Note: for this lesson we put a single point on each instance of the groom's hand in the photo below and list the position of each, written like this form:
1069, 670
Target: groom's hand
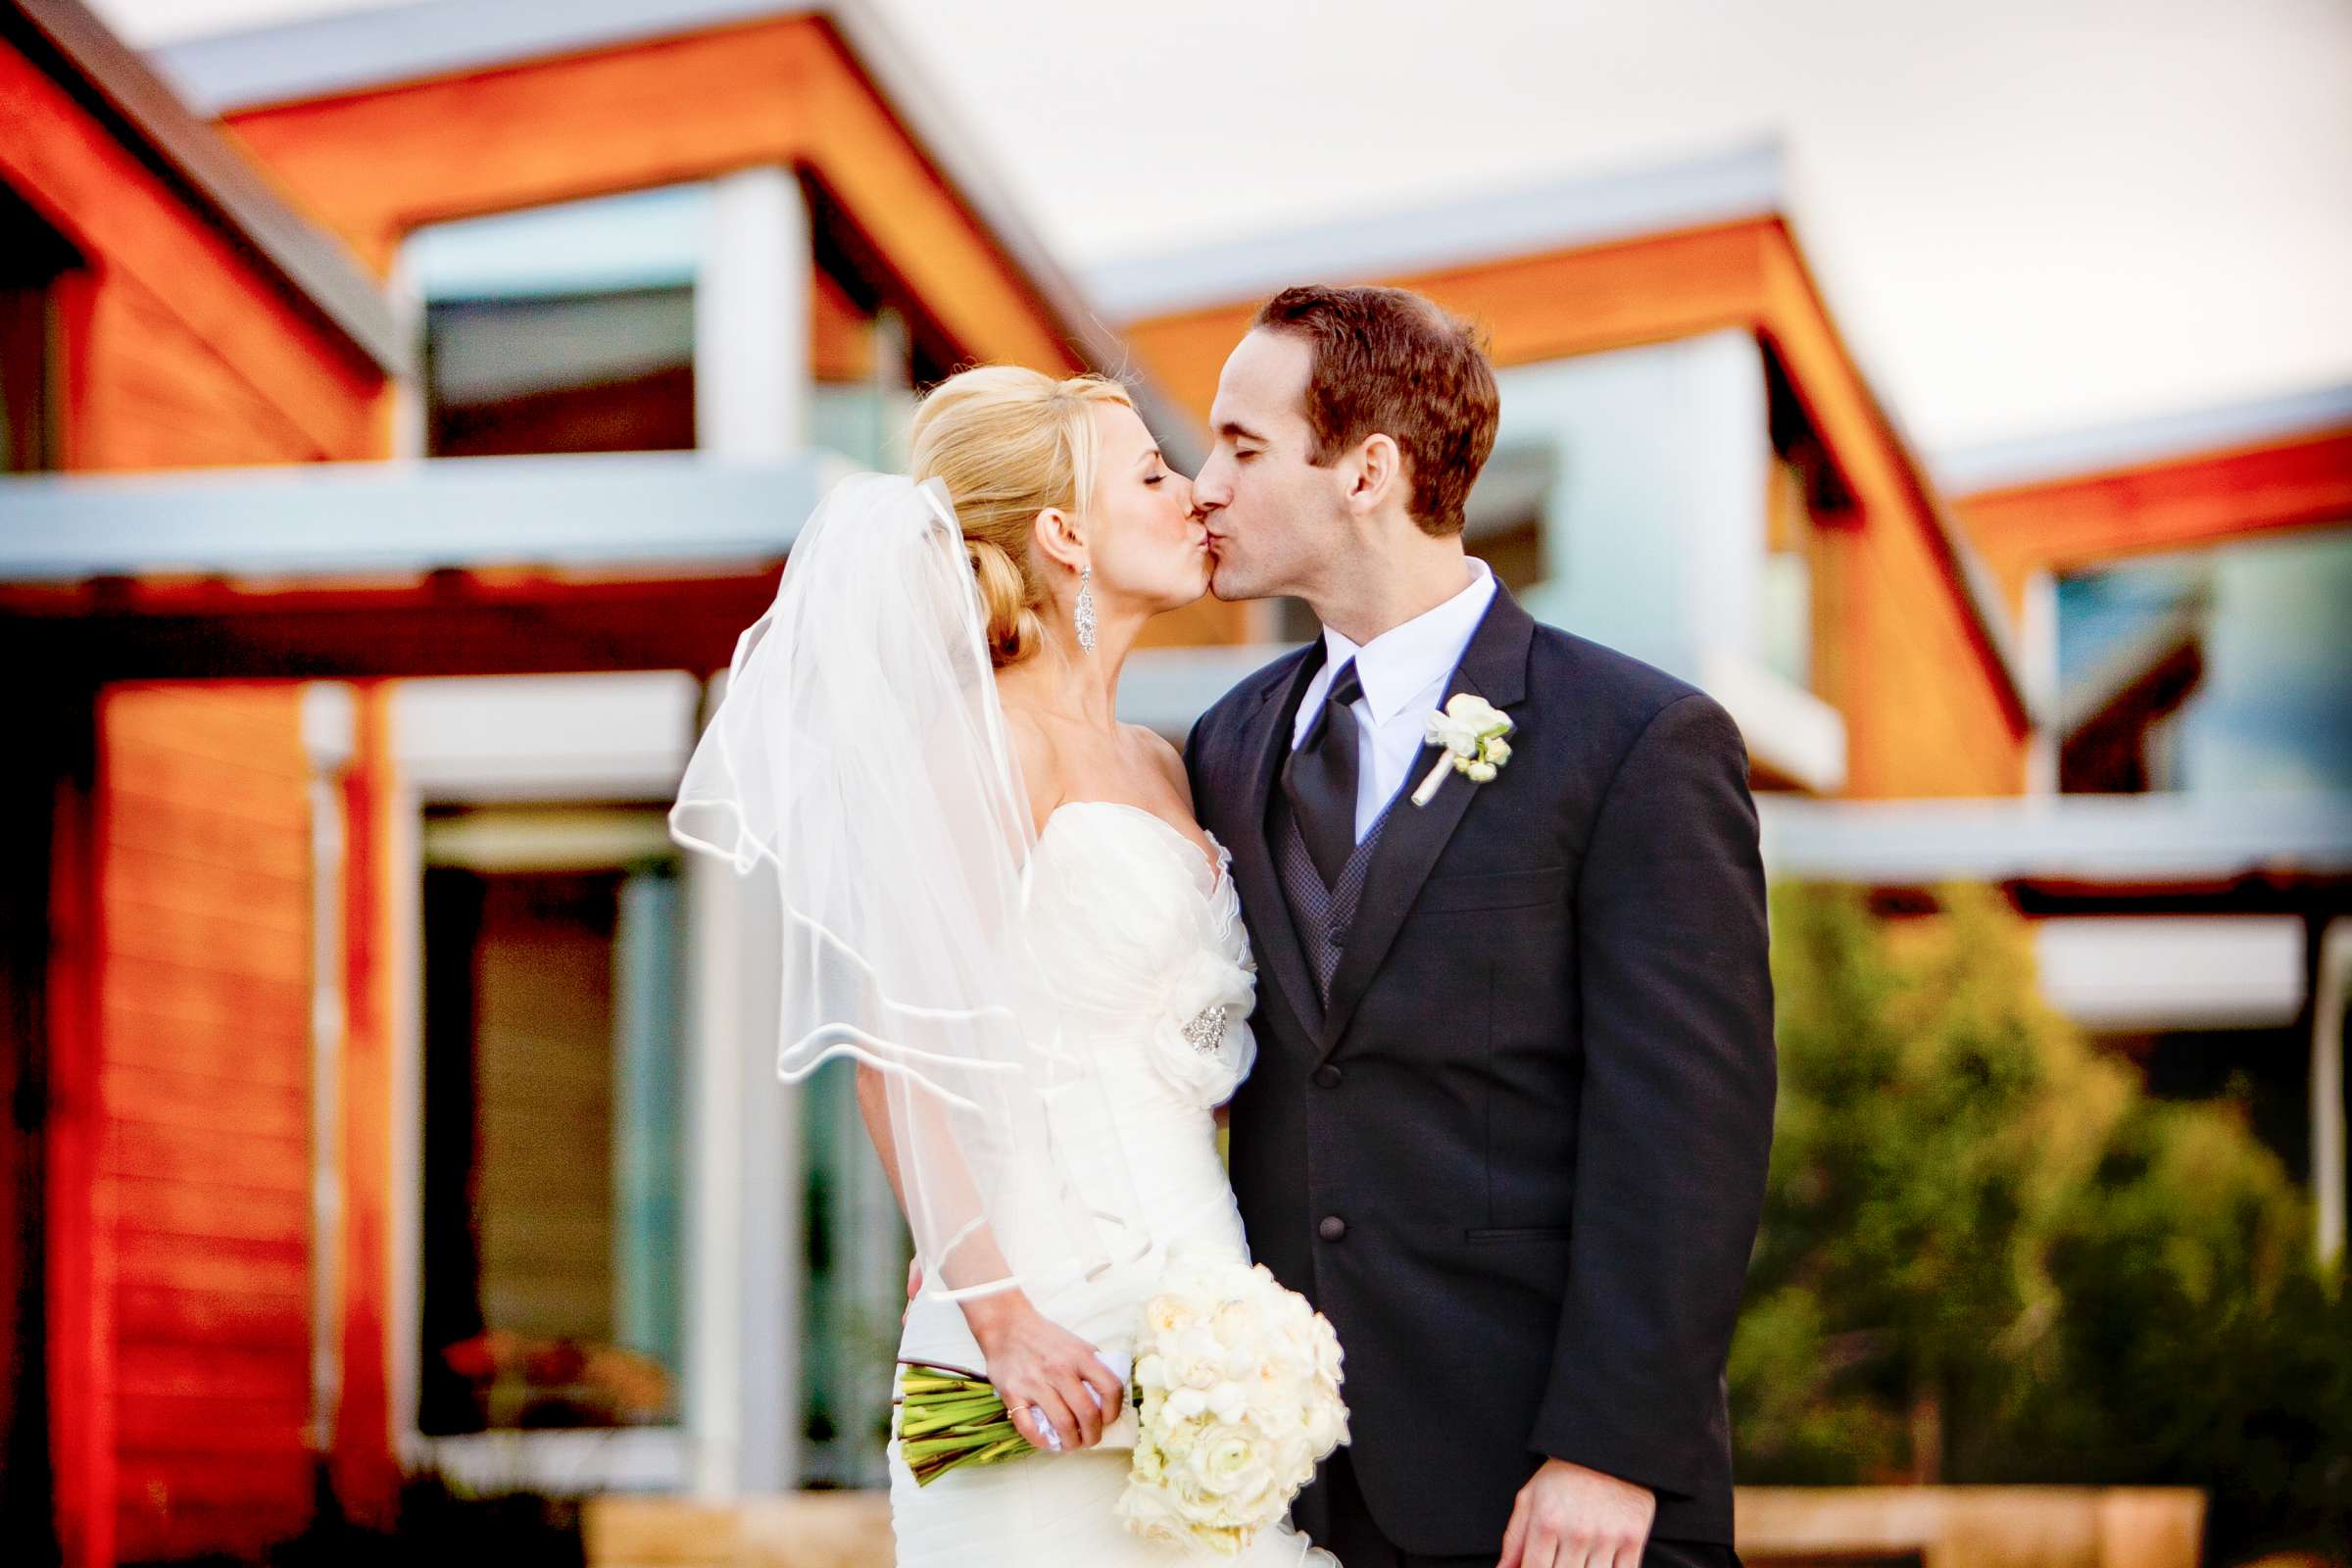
1567, 1516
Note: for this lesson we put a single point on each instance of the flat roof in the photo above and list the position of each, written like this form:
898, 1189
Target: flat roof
1748, 181
2071, 454
353, 51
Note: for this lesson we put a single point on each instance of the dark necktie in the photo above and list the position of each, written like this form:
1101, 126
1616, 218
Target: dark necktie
1320, 778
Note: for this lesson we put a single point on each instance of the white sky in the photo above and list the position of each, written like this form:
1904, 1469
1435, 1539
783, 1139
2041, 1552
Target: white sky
2029, 216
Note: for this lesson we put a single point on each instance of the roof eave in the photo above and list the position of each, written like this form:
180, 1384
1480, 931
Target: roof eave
311, 265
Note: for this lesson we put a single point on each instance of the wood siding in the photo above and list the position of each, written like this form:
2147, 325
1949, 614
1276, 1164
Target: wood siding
202, 1189
179, 351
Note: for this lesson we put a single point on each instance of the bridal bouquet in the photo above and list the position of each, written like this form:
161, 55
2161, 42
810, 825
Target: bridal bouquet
1235, 1396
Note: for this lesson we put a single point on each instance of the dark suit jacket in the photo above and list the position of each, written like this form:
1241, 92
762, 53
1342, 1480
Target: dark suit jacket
1539, 1106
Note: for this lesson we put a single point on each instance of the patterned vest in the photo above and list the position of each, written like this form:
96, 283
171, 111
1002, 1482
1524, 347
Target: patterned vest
1321, 915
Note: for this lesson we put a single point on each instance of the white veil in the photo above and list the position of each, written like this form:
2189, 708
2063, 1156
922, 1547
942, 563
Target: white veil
860, 749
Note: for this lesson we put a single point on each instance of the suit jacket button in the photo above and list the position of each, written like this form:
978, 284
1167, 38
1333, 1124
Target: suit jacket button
1328, 1076
1332, 1228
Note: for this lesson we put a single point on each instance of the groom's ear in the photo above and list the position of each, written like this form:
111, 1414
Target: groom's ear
1374, 474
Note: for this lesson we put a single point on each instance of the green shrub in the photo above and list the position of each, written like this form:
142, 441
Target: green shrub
1987, 1256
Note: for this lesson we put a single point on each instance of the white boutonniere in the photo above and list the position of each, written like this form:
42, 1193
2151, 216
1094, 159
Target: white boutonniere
1472, 731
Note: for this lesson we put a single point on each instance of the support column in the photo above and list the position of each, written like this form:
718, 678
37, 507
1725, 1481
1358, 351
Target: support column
744, 1244
750, 317
329, 738
2331, 994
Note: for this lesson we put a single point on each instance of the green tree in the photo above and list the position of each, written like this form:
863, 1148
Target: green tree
1987, 1256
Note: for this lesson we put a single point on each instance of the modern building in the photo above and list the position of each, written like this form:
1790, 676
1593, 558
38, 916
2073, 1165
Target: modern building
413, 407
2105, 671
403, 411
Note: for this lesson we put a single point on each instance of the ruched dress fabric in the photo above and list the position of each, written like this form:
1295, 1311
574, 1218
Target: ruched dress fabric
1137, 940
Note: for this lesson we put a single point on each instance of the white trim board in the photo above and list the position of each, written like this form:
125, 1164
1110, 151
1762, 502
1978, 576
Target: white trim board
2134, 839
2142, 971
565, 737
1744, 181
589, 737
2069, 454
583, 510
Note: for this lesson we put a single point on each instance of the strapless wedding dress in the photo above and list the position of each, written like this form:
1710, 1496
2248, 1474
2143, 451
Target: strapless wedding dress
1147, 970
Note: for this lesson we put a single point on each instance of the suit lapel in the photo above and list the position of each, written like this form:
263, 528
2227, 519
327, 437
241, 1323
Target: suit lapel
1265, 743
1495, 667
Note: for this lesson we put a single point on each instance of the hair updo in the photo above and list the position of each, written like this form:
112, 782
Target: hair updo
1009, 443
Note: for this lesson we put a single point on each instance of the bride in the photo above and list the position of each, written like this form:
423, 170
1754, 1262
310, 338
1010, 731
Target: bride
998, 902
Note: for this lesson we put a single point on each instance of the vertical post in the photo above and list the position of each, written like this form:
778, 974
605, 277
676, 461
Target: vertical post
752, 396
330, 731
410, 397
744, 1238
2330, 997
750, 317
2037, 649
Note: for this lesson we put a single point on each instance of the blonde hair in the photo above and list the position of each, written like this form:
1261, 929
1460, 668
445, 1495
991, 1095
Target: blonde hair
1009, 443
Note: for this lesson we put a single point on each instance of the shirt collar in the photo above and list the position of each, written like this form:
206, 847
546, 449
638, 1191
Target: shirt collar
1403, 661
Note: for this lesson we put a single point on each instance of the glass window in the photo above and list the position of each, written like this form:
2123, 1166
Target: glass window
564, 328
553, 1104
2216, 670
571, 329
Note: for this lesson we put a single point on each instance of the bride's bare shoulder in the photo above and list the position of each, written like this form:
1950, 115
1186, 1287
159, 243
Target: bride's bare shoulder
1163, 755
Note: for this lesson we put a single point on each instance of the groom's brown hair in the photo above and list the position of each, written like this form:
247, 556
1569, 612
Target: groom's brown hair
1388, 362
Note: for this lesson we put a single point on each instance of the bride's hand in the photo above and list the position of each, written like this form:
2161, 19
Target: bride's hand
1035, 1362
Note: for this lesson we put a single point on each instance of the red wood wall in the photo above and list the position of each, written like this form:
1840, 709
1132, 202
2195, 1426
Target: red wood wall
181, 350
195, 1353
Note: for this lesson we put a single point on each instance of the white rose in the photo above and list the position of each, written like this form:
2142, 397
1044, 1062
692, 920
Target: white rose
1229, 1462
1147, 1511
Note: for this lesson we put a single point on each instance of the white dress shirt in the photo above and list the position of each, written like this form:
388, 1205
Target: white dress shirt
1403, 670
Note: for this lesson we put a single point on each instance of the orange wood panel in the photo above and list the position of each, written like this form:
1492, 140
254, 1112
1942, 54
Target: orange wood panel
898, 199
231, 1426
1929, 709
210, 1041
153, 395
270, 1168
841, 336
207, 313
1548, 305
2304, 481
365, 1466
1920, 722
1206, 623
375, 165
206, 1170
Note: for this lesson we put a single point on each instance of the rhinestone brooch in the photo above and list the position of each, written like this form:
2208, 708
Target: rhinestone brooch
1207, 1032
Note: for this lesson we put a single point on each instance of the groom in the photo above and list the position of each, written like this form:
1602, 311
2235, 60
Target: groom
1509, 1122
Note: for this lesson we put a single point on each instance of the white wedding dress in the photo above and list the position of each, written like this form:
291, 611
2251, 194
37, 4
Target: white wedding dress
1143, 964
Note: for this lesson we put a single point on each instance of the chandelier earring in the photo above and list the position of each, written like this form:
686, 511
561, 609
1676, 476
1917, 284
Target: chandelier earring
1083, 613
